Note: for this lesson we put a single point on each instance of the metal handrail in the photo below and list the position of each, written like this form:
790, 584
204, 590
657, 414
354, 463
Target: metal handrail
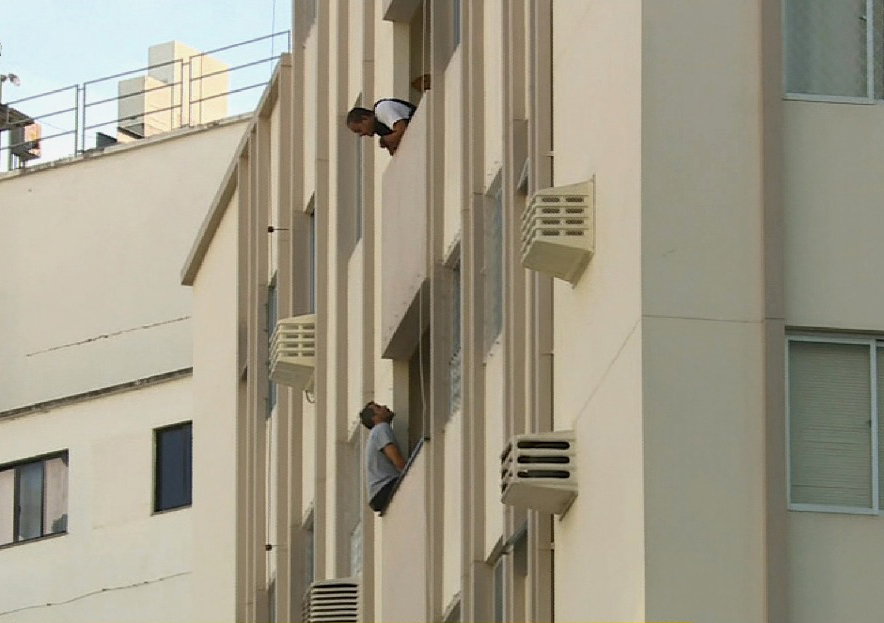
183, 89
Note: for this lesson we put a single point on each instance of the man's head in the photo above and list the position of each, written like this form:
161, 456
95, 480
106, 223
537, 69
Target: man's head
361, 121
373, 413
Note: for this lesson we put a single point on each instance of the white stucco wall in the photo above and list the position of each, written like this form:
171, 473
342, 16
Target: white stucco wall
91, 252
118, 560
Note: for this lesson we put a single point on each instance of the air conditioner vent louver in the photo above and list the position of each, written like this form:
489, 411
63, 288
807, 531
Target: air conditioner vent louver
558, 230
539, 471
293, 351
332, 600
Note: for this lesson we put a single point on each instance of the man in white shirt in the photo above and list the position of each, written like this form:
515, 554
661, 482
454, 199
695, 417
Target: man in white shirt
383, 460
388, 119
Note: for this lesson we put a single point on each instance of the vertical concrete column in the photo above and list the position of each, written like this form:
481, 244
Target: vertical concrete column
243, 448
323, 256
540, 148
440, 307
369, 356
282, 548
476, 591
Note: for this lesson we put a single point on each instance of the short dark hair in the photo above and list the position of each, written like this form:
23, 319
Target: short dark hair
366, 416
358, 114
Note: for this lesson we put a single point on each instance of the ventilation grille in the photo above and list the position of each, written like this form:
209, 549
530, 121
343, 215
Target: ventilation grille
539, 471
557, 231
293, 351
332, 600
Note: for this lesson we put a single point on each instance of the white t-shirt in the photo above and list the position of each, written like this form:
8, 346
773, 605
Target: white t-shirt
389, 112
379, 467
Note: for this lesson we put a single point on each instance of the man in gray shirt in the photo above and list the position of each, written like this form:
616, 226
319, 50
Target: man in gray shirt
383, 460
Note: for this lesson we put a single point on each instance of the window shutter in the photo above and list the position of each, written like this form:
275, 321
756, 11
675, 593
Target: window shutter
830, 424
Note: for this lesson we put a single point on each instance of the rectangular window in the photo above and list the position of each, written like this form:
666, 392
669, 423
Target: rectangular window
494, 269
455, 366
309, 549
34, 499
834, 394
174, 467
834, 49
272, 319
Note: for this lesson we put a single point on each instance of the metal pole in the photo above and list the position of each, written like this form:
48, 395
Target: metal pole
76, 119
83, 126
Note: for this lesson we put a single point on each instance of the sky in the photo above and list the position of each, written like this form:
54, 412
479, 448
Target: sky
52, 44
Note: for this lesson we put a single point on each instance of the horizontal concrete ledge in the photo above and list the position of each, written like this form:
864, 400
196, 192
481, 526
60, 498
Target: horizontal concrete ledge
49, 405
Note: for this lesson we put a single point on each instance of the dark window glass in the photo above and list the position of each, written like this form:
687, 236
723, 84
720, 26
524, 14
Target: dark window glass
30, 501
174, 467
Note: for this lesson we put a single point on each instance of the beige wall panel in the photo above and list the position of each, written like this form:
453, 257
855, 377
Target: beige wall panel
494, 443
277, 238
493, 73
701, 178
835, 566
404, 560
215, 385
453, 190
833, 188
453, 492
355, 285
129, 546
600, 541
355, 13
403, 225
127, 218
704, 470
310, 116
596, 317
308, 472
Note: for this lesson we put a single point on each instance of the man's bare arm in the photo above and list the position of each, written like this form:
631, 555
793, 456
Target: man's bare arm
391, 141
392, 452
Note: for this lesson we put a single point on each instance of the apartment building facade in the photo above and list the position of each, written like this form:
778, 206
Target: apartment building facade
705, 345
110, 505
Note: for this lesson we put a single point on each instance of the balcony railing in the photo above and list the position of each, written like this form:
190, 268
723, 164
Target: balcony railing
184, 92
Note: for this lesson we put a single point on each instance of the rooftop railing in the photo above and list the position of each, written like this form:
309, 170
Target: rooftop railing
122, 107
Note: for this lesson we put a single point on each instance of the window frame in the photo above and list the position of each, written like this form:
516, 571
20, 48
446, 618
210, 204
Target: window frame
15, 466
156, 510
272, 308
873, 344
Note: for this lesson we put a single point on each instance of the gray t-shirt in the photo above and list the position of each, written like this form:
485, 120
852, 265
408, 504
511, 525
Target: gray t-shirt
379, 468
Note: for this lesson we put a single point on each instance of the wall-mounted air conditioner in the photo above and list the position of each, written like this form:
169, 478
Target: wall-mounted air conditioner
293, 351
539, 471
332, 600
558, 230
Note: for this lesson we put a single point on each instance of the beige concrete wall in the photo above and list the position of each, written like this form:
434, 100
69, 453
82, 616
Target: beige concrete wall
598, 354
453, 486
703, 312
403, 545
833, 190
91, 252
493, 74
494, 418
215, 405
355, 297
117, 560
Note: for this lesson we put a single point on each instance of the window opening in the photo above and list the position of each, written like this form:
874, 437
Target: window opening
34, 499
174, 467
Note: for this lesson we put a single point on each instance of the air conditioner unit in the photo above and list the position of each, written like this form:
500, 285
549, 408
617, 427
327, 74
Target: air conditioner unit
539, 471
24, 141
558, 230
332, 600
293, 351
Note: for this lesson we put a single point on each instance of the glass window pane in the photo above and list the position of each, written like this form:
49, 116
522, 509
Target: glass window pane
830, 424
7, 506
826, 46
174, 468
30, 501
55, 496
